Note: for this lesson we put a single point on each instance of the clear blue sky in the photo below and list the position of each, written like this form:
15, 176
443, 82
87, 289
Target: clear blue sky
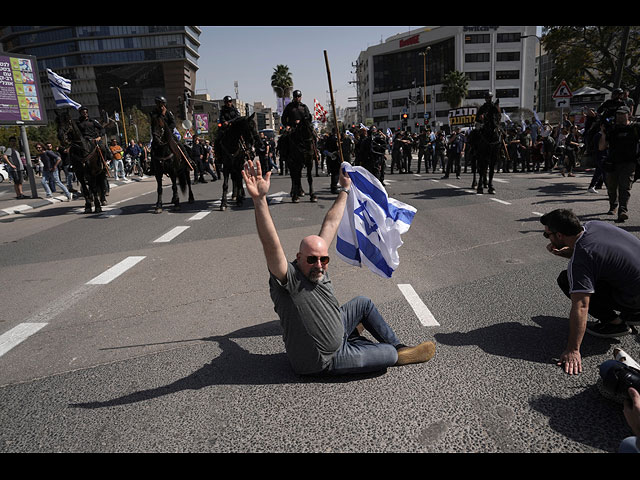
249, 54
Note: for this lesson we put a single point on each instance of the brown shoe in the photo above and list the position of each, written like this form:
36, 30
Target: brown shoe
418, 354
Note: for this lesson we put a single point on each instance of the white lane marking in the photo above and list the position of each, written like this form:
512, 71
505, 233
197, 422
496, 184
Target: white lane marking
499, 180
17, 335
538, 213
452, 186
115, 271
200, 215
170, 235
17, 209
500, 201
420, 309
277, 197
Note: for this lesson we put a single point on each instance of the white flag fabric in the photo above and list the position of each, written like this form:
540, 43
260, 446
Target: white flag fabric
61, 88
372, 224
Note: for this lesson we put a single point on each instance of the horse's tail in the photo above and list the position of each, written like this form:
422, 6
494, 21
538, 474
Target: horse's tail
182, 180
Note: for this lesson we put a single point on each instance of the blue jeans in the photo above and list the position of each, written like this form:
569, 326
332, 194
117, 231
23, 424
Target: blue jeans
358, 354
55, 176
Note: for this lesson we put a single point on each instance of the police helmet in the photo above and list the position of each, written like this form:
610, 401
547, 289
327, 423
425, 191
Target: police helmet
161, 100
617, 91
227, 99
297, 94
489, 94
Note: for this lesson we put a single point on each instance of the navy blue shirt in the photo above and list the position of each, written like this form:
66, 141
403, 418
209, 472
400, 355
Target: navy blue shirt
606, 253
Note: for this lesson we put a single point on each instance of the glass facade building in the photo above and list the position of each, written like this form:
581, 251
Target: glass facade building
152, 60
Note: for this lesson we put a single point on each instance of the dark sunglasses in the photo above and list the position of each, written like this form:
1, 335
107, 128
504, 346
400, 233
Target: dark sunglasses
312, 259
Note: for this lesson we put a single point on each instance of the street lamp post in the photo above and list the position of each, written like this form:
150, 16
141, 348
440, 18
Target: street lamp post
539, 58
424, 65
124, 126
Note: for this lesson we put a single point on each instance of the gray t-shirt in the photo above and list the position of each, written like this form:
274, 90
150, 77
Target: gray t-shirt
310, 317
610, 254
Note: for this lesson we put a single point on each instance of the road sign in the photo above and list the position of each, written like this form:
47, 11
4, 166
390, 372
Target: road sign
563, 91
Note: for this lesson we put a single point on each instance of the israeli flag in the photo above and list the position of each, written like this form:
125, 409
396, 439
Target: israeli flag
370, 230
61, 88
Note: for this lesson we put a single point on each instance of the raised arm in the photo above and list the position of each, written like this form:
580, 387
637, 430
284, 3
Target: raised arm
258, 187
334, 215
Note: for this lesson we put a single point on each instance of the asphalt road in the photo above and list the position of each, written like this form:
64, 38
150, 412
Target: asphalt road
180, 349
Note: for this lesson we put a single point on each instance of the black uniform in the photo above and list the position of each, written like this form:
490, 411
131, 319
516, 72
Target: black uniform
621, 165
293, 112
227, 114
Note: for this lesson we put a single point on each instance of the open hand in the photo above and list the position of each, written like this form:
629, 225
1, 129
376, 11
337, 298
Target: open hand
257, 186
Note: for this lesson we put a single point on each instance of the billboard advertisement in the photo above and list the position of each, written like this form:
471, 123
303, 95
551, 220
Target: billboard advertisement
21, 99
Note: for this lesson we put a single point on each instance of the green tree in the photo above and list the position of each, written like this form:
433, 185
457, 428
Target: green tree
455, 88
594, 56
282, 81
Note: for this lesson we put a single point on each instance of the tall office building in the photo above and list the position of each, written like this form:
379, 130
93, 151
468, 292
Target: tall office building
405, 74
152, 60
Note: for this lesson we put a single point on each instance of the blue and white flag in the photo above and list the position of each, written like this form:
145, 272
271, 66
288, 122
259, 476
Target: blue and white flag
370, 229
535, 114
61, 88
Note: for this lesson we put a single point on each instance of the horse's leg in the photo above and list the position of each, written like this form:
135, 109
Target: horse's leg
296, 179
481, 172
191, 199
492, 166
312, 195
174, 188
158, 173
84, 188
225, 187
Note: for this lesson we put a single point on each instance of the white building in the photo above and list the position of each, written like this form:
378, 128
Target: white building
392, 77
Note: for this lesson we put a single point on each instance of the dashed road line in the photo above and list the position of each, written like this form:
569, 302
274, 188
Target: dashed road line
17, 335
423, 313
200, 215
501, 201
115, 271
170, 235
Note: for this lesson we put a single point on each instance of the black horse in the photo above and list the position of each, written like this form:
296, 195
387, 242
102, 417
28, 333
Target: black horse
167, 158
299, 149
87, 160
233, 148
485, 144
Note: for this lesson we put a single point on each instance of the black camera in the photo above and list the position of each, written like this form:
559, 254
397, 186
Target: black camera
619, 378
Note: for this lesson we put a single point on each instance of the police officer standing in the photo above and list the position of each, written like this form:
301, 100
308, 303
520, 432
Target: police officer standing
622, 140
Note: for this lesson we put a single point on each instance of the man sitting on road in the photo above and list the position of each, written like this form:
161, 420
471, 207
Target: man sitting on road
602, 278
320, 336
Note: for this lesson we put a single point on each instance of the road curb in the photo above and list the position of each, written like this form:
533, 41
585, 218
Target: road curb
43, 202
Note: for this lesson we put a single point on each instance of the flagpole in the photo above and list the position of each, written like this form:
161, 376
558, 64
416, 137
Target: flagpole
333, 106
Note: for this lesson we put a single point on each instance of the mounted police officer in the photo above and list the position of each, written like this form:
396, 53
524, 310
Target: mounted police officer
163, 112
489, 109
295, 112
296, 116
228, 112
94, 132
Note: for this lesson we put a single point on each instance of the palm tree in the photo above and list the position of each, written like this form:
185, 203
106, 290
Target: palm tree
455, 88
281, 81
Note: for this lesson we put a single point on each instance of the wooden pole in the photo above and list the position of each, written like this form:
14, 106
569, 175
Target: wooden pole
333, 106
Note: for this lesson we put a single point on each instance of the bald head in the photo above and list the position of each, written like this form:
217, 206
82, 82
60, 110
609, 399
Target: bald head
312, 246
313, 242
